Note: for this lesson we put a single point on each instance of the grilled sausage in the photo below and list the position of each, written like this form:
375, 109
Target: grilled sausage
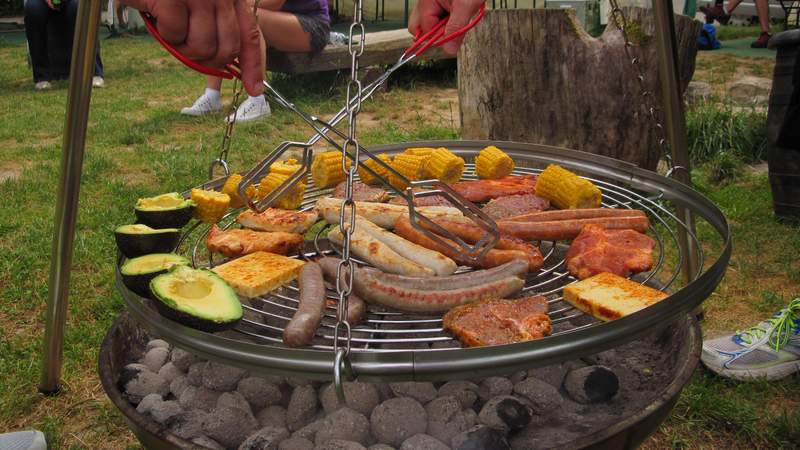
440, 264
382, 214
574, 214
472, 233
300, 330
417, 294
356, 307
569, 229
380, 255
492, 258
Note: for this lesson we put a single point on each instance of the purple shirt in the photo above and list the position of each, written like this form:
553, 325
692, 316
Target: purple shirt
317, 9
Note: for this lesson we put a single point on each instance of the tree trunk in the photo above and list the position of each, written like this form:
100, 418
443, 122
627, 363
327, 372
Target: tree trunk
536, 76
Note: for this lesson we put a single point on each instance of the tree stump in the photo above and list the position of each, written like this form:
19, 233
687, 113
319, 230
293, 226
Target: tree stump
537, 76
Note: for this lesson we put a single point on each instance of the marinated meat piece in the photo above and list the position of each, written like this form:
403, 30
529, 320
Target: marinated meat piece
433, 200
239, 242
484, 190
274, 219
362, 192
515, 205
497, 322
621, 252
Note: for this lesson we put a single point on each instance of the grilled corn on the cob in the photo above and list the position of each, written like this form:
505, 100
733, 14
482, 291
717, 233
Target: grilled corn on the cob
231, 188
419, 151
367, 177
444, 165
326, 169
493, 163
567, 190
410, 166
291, 199
287, 167
211, 205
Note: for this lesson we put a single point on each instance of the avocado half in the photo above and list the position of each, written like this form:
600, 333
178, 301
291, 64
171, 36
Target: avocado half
138, 272
165, 210
198, 298
139, 239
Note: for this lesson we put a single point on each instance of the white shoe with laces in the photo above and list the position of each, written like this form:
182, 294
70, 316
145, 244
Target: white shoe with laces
251, 109
98, 82
204, 104
43, 86
23, 440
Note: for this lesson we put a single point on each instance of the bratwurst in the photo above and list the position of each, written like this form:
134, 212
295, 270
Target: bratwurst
300, 330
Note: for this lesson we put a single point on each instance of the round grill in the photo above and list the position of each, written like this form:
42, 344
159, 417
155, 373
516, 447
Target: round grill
390, 345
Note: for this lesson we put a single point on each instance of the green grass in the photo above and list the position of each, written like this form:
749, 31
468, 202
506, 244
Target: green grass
138, 145
730, 32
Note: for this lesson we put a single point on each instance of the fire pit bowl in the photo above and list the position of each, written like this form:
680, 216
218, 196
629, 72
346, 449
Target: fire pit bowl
125, 343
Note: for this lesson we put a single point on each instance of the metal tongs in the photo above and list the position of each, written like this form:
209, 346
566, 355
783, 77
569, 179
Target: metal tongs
436, 37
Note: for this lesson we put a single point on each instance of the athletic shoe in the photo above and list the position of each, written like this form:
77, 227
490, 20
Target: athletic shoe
716, 12
43, 86
762, 41
251, 109
98, 82
769, 350
202, 106
23, 440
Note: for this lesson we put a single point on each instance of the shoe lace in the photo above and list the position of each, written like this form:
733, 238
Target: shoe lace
781, 327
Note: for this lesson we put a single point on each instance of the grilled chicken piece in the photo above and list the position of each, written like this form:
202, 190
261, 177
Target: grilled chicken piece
515, 205
274, 219
484, 190
497, 322
621, 252
362, 192
240, 242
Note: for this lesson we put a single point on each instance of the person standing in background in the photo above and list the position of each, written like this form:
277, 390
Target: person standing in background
722, 14
61, 13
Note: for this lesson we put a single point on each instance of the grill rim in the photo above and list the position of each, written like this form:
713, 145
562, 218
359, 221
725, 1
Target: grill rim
475, 362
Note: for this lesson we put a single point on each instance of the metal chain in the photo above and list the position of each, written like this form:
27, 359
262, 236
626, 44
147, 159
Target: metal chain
350, 153
618, 16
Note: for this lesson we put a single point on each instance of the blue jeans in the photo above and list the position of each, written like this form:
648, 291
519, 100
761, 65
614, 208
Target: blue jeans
42, 22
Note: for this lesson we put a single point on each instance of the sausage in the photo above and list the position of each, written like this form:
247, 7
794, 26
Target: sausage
382, 214
380, 255
472, 233
418, 294
492, 258
517, 267
356, 307
440, 264
300, 330
569, 229
574, 214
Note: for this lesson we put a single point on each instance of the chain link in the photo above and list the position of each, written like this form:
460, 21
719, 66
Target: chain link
350, 155
621, 22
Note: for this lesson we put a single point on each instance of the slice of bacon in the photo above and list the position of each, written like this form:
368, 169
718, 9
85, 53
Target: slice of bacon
497, 322
621, 252
485, 190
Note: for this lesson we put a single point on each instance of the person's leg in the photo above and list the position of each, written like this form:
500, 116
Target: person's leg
762, 8
720, 13
732, 4
36, 17
283, 31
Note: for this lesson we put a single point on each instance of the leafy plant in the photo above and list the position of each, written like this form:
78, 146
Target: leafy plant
716, 128
723, 167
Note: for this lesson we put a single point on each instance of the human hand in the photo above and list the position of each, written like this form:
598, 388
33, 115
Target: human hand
428, 13
210, 32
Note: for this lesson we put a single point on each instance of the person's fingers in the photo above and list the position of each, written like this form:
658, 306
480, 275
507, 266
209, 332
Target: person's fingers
172, 19
250, 57
227, 35
461, 13
200, 43
426, 14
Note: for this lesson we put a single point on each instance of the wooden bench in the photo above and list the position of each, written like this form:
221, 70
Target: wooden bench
381, 48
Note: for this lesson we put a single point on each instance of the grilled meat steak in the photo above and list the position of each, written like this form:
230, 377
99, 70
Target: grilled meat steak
274, 219
515, 205
497, 322
485, 190
433, 200
621, 252
362, 192
239, 242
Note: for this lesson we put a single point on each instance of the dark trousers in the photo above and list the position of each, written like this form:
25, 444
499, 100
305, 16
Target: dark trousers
42, 22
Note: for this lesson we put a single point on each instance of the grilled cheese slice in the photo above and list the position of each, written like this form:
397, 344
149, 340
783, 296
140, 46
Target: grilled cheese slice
259, 273
607, 296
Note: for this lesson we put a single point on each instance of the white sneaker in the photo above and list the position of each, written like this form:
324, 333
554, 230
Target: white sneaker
43, 86
23, 440
202, 106
98, 82
251, 109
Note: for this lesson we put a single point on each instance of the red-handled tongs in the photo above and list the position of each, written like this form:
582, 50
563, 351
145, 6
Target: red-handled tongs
435, 37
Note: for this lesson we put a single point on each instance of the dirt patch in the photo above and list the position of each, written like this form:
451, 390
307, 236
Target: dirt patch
11, 171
